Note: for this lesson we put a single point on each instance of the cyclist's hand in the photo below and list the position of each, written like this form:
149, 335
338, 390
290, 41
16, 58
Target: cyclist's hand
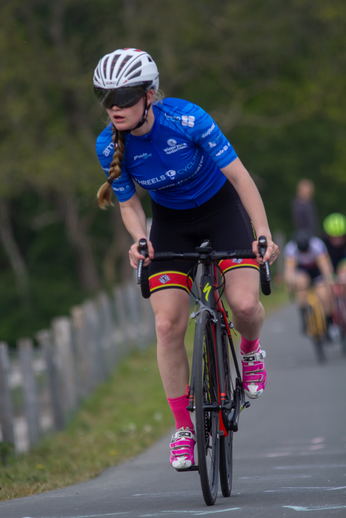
135, 256
271, 254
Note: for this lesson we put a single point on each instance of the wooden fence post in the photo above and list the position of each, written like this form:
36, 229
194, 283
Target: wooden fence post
93, 340
120, 311
147, 321
63, 341
83, 359
44, 339
31, 407
108, 342
6, 410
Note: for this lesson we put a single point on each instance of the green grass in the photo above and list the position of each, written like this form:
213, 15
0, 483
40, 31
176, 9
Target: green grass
123, 417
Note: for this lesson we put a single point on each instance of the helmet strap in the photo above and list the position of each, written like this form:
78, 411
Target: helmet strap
144, 117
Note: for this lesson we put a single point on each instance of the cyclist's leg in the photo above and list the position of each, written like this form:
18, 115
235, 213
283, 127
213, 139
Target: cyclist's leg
324, 293
242, 294
302, 284
171, 308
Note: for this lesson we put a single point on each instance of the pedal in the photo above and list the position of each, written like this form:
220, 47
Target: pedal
192, 468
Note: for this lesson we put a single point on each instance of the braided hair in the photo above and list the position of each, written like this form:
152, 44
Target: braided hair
104, 192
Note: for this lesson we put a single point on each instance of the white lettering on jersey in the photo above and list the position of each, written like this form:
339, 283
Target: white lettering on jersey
209, 131
109, 149
188, 120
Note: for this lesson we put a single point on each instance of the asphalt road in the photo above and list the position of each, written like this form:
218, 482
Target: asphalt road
290, 451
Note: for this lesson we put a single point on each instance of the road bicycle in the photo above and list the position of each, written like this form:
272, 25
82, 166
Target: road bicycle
216, 392
315, 323
339, 312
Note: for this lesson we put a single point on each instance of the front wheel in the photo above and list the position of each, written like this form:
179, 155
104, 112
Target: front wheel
207, 405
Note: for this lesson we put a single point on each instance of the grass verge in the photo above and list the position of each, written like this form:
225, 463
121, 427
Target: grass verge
123, 417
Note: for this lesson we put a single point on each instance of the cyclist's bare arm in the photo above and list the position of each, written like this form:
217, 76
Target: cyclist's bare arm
134, 219
241, 180
325, 266
290, 272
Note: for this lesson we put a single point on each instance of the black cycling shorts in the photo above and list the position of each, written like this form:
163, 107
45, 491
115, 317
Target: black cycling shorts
222, 219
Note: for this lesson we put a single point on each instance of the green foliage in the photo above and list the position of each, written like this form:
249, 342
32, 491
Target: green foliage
270, 73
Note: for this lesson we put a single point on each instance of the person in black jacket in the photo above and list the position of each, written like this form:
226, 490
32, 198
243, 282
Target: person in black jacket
304, 211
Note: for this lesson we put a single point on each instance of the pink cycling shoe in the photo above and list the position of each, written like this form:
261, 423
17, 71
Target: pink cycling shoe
182, 446
254, 372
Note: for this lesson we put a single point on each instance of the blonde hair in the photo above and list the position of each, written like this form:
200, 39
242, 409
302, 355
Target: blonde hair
105, 191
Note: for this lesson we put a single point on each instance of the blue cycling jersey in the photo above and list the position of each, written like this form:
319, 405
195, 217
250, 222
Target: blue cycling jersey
178, 162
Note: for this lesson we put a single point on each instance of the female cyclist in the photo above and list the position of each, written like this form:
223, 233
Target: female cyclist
199, 190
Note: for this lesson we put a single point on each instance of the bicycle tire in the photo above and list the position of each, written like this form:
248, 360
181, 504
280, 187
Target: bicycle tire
341, 321
226, 442
316, 327
207, 420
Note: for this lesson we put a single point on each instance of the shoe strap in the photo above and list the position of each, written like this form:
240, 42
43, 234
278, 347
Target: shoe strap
182, 434
254, 357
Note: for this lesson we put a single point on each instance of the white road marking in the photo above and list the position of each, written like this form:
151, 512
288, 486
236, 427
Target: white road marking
85, 516
296, 508
312, 466
192, 513
300, 488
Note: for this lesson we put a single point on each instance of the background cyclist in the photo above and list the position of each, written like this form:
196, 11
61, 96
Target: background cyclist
334, 238
307, 263
199, 189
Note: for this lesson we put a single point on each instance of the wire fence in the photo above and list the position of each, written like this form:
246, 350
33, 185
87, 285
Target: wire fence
45, 380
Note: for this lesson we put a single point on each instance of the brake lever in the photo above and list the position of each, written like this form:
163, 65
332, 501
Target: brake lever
143, 250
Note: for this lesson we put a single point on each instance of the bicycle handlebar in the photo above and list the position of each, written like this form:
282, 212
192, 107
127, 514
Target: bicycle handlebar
201, 253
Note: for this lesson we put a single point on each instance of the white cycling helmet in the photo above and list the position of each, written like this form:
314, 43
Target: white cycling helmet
126, 67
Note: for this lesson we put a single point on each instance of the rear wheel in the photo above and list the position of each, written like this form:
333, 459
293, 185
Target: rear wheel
206, 402
316, 327
226, 442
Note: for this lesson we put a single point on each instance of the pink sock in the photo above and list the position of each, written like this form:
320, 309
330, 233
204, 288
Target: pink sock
248, 346
181, 415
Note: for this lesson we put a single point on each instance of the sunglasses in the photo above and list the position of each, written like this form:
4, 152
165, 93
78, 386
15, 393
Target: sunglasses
124, 97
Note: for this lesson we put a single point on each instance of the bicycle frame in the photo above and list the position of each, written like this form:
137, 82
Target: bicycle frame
210, 300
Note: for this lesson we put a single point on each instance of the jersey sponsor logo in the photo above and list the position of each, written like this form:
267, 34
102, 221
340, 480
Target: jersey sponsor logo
151, 181
209, 131
108, 150
174, 148
171, 173
144, 155
223, 150
164, 278
214, 142
190, 164
238, 261
188, 120
172, 117
171, 142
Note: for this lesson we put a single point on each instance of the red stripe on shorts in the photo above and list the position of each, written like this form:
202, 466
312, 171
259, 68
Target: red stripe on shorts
231, 264
164, 280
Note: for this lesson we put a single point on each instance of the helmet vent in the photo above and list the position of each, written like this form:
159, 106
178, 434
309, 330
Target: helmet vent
123, 63
105, 67
137, 74
135, 66
115, 59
